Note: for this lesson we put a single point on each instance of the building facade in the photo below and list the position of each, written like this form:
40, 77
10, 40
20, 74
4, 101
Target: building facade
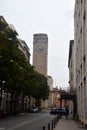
21, 44
80, 53
40, 53
71, 66
40, 57
56, 98
25, 49
50, 84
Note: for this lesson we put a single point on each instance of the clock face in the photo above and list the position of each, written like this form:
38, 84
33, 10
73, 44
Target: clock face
40, 49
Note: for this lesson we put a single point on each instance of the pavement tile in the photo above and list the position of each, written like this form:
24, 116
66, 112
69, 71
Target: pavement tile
69, 124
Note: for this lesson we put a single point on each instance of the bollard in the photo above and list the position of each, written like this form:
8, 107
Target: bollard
44, 127
52, 124
48, 126
57, 118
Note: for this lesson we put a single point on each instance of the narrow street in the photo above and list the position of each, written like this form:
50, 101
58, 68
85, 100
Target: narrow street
28, 121
36, 121
43, 65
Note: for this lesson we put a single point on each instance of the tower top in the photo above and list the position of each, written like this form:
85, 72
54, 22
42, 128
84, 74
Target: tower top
40, 36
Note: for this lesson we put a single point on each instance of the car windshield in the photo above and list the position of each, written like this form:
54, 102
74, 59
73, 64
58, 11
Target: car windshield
54, 108
34, 107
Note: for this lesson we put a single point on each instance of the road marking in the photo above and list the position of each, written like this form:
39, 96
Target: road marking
2, 128
25, 123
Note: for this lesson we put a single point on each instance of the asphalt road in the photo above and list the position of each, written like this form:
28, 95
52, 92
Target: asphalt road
28, 121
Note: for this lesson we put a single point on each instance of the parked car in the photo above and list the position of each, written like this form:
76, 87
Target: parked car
63, 111
2, 113
34, 109
58, 110
53, 111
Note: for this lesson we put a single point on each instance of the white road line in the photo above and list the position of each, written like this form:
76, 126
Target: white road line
25, 123
2, 128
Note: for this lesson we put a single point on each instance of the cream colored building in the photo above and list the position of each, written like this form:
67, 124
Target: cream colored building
40, 53
71, 66
80, 53
40, 56
50, 84
56, 98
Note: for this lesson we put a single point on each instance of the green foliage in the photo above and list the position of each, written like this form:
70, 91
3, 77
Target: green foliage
18, 74
41, 87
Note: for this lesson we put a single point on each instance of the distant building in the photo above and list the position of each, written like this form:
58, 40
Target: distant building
56, 98
50, 84
21, 44
40, 53
25, 49
40, 56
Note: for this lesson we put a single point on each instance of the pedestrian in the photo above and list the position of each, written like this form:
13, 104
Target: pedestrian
67, 112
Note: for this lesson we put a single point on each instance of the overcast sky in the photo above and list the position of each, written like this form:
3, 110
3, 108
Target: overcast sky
53, 17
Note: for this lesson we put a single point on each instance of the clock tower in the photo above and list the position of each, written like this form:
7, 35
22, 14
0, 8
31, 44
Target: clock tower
40, 53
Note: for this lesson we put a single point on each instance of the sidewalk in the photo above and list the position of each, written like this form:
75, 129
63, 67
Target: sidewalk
68, 124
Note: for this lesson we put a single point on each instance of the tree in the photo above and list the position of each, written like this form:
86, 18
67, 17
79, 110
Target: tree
12, 62
42, 88
19, 76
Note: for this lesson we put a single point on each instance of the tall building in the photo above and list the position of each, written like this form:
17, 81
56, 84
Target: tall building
71, 66
21, 44
40, 53
80, 52
40, 56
